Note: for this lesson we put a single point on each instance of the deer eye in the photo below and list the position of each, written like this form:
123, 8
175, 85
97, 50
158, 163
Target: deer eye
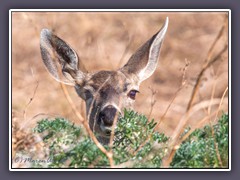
132, 94
88, 94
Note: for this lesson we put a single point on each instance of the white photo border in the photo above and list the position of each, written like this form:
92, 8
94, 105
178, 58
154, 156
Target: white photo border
116, 10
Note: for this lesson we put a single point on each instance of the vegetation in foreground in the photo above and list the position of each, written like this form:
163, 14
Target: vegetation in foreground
67, 145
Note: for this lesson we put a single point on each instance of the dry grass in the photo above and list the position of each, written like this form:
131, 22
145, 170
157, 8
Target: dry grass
106, 41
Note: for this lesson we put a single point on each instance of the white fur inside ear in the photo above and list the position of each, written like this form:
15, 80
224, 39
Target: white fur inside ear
154, 54
55, 62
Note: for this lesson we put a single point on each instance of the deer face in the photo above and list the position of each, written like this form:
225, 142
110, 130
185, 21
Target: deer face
105, 93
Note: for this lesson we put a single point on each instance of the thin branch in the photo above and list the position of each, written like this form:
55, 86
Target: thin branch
112, 138
187, 63
212, 96
130, 40
85, 124
169, 105
169, 159
210, 51
153, 101
205, 67
199, 124
208, 61
113, 126
178, 131
94, 98
211, 125
32, 97
215, 143
110, 153
194, 109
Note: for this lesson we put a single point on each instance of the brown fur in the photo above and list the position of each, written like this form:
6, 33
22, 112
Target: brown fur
106, 93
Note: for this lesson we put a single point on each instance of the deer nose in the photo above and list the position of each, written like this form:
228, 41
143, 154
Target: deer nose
107, 115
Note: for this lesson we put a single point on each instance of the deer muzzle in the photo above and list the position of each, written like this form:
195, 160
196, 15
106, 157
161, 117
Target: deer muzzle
106, 119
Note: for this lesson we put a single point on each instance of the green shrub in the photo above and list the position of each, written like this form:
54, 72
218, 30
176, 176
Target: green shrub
198, 150
70, 147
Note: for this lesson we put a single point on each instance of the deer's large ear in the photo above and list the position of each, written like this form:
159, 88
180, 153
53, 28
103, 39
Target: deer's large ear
144, 61
60, 59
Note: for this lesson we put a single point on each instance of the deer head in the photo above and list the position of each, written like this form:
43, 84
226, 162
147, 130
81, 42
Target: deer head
106, 93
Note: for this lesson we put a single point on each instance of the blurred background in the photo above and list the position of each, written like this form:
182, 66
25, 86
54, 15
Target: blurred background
105, 41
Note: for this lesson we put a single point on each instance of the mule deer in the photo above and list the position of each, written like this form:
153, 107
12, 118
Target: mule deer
105, 93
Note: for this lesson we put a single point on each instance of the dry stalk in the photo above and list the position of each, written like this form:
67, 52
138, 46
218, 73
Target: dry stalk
208, 63
205, 67
215, 143
212, 96
210, 51
221, 102
31, 99
110, 153
207, 110
85, 124
199, 125
194, 109
201, 122
159, 122
130, 40
112, 138
153, 101
113, 126
94, 98
211, 125
184, 119
187, 63
168, 107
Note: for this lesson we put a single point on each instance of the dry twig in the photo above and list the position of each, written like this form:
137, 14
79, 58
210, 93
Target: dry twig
31, 99
207, 64
184, 119
153, 101
171, 102
215, 143
85, 124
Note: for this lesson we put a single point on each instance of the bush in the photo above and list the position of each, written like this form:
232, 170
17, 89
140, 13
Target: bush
70, 147
198, 150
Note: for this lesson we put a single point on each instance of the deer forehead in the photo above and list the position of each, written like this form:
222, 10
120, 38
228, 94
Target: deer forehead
109, 81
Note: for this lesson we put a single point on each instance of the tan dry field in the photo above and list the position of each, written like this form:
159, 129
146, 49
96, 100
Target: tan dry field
105, 41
